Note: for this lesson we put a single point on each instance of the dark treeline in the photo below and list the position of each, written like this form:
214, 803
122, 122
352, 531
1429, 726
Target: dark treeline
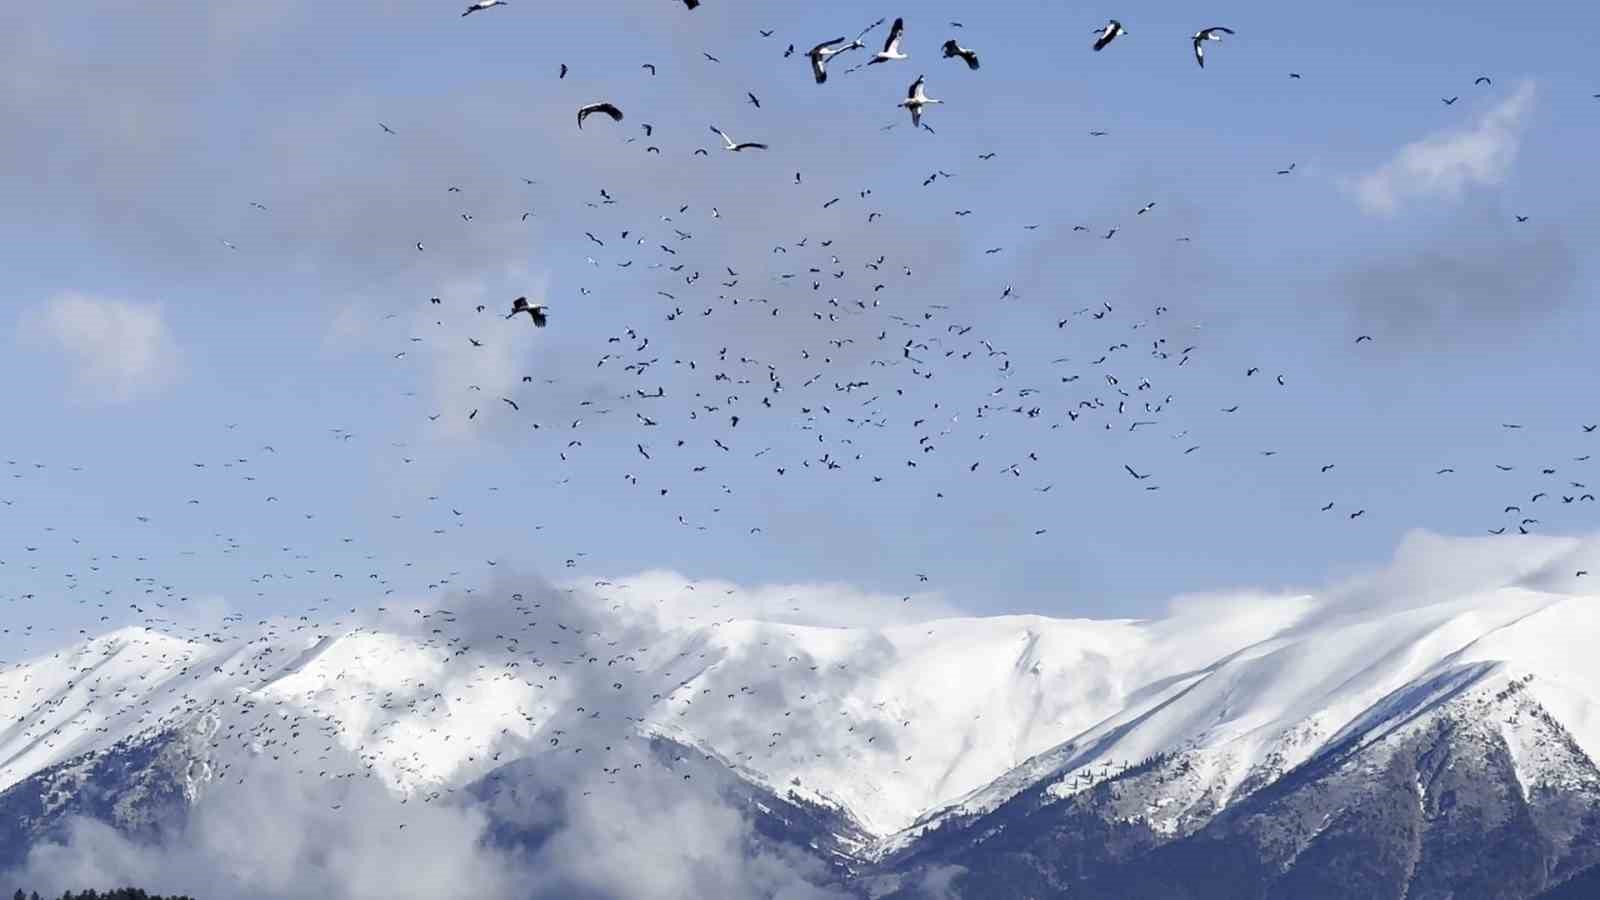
119, 894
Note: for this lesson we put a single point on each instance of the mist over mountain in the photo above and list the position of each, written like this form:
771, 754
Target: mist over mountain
1378, 738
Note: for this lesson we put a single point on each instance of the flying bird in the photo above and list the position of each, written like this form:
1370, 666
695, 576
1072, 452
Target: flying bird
728, 144
915, 100
891, 46
1110, 32
821, 53
1214, 33
609, 109
1449, 101
483, 5
951, 49
535, 311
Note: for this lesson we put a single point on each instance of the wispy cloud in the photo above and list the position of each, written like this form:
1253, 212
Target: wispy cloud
1444, 164
117, 348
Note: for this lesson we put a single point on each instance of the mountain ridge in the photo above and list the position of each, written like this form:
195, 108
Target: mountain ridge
904, 748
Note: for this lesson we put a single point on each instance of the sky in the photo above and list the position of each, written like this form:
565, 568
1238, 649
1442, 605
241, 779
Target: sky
164, 332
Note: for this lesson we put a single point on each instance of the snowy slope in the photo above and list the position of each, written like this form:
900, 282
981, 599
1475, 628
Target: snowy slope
1268, 708
885, 723
902, 727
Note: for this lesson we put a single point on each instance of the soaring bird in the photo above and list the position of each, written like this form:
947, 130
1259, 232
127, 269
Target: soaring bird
891, 46
535, 311
951, 48
728, 144
482, 5
915, 100
609, 109
691, 4
1214, 33
1110, 32
821, 53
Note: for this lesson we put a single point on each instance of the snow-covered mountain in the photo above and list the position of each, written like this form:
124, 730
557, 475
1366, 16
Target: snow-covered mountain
1285, 727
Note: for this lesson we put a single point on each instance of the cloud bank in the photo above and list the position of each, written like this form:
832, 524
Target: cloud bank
117, 349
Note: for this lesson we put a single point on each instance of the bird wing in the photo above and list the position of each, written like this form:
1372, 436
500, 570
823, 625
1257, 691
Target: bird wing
1200, 51
951, 48
911, 92
891, 45
868, 28
603, 107
823, 46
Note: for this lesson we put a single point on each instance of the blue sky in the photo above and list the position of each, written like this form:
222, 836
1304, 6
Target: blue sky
143, 345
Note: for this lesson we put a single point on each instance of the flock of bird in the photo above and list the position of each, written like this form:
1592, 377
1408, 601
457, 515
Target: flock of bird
869, 372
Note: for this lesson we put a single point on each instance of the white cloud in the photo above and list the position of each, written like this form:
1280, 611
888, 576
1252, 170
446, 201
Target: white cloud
1442, 165
117, 348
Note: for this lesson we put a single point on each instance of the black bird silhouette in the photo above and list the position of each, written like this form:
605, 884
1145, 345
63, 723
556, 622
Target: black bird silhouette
953, 49
609, 109
537, 312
